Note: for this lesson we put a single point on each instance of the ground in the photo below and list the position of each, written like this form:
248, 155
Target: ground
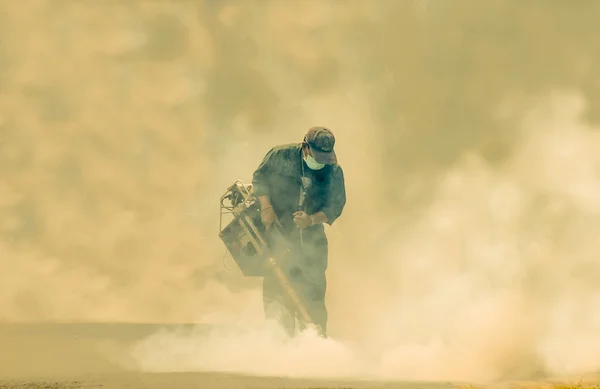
61, 356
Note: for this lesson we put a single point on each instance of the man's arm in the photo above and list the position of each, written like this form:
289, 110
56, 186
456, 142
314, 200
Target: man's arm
260, 180
318, 218
336, 199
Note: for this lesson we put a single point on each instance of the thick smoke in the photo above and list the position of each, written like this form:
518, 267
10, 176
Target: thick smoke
495, 279
465, 250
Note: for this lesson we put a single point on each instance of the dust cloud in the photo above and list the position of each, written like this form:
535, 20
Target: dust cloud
466, 131
497, 278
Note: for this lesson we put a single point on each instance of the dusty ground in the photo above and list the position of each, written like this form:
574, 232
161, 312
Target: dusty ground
71, 356
68, 356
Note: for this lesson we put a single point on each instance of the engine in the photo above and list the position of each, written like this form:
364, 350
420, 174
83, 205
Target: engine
254, 250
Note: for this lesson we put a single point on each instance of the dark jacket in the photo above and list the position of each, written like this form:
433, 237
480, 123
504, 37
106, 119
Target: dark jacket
279, 176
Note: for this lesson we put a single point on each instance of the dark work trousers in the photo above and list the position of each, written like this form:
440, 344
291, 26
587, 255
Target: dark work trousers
305, 269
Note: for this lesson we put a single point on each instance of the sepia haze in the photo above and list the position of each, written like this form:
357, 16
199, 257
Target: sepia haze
467, 132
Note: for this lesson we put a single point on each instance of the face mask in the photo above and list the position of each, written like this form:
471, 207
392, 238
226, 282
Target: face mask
313, 164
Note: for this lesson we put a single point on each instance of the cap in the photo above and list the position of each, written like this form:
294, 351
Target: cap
321, 142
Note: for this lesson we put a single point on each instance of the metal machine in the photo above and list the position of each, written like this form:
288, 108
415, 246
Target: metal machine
254, 250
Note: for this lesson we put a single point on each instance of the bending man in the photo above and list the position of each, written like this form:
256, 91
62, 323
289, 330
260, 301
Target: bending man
300, 186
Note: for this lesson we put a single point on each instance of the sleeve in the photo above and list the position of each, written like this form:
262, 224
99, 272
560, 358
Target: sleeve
336, 198
260, 178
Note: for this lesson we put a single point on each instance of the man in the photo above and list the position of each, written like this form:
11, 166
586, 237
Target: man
300, 187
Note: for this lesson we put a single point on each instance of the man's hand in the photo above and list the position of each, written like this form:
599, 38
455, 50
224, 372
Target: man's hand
302, 220
268, 217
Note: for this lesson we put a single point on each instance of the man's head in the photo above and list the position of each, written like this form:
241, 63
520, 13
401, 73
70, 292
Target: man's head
320, 142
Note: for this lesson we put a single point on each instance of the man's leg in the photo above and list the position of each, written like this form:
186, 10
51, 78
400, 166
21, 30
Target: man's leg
277, 306
313, 289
